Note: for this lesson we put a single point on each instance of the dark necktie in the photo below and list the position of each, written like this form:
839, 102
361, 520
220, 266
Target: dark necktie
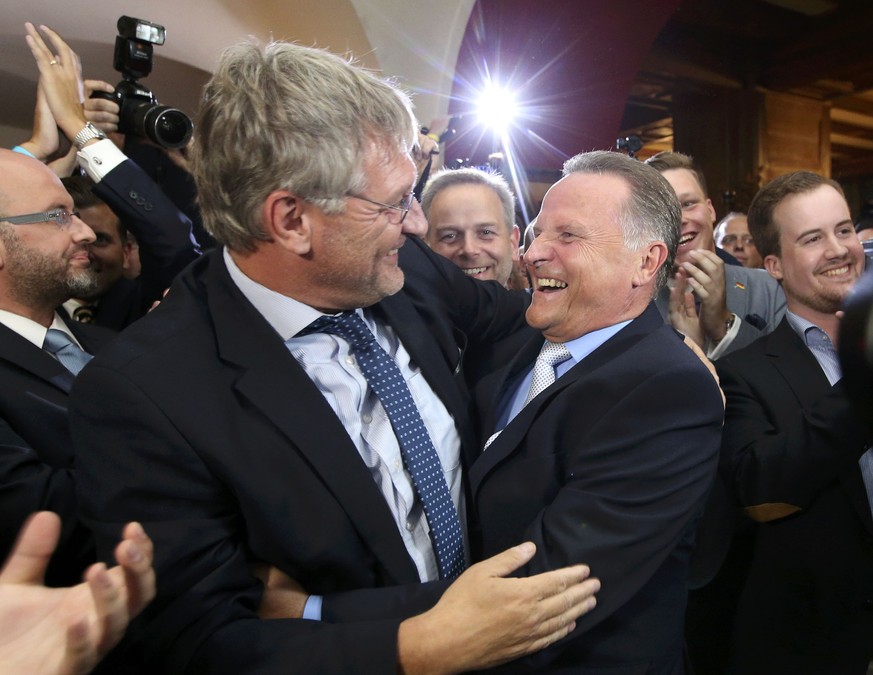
66, 351
416, 447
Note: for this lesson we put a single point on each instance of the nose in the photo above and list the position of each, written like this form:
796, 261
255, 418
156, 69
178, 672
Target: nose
81, 233
537, 252
469, 247
836, 247
415, 223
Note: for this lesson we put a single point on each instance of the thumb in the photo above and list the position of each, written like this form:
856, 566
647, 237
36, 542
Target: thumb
509, 560
30, 556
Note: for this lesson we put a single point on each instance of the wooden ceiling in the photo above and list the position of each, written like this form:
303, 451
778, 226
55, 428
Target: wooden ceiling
814, 48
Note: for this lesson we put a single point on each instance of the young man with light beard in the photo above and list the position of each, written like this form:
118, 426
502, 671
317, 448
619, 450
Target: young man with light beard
794, 451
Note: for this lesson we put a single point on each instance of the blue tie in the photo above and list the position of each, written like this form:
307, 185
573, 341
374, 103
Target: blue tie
66, 351
416, 447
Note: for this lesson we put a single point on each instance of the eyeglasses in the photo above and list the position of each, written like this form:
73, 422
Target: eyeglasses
731, 239
402, 206
60, 217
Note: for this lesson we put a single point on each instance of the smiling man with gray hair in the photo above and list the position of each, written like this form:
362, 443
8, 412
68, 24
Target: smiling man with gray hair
297, 401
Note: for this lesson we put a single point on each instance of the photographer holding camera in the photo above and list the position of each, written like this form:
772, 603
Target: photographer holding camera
126, 194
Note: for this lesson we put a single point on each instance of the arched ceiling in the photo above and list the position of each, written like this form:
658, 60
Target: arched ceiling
416, 42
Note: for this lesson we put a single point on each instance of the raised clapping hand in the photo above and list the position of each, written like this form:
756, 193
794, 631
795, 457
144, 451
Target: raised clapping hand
68, 630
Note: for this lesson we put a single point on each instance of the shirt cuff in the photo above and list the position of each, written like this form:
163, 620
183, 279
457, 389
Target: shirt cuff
100, 158
719, 348
312, 608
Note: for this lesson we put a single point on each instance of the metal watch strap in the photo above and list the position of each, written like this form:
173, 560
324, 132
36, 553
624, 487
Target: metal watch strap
88, 132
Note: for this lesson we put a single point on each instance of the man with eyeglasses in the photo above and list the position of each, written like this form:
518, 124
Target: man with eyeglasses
721, 307
732, 235
43, 261
297, 401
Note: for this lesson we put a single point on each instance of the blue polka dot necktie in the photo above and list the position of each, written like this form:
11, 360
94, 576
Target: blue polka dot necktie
419, 454
66, 351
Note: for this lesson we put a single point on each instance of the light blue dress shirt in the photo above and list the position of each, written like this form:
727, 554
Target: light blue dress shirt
578, 348
329, 361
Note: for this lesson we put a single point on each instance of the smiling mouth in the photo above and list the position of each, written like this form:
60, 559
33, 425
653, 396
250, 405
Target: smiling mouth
550, 284
836, 272
473, 271
685, 238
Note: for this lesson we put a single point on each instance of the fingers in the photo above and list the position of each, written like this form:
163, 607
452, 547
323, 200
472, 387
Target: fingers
81, 652
508, 561
135, 555
561, 611
98, 85
35, 545
109, 600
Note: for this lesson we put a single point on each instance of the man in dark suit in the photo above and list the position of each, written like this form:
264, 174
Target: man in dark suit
611, 461
42, 261
126, 200
795, 452
243, 434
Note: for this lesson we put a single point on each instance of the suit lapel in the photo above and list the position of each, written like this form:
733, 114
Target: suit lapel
796, 364
24, 354
275, 385
511, 437
792, 358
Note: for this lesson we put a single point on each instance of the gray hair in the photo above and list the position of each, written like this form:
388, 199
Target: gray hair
294, 118
470, 176
651, 213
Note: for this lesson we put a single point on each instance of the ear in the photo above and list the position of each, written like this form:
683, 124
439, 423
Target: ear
513, 237
773, 265
651, 258
126, 248
711, 209
287, 221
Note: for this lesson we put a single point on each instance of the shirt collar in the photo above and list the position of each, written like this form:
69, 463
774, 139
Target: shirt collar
31, 330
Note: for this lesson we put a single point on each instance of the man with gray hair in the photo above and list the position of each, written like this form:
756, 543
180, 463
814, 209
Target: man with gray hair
296, 400
587, 453
471, 221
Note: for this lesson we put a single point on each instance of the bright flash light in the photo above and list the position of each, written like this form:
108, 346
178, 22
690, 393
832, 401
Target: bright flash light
496, 108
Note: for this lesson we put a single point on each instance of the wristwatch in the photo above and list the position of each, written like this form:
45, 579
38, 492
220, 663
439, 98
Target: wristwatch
88, 132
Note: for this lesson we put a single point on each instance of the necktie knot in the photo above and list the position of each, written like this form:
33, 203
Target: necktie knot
71, 356
552, 354
347, 325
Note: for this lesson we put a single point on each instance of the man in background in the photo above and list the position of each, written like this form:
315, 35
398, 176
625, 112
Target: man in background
471, 221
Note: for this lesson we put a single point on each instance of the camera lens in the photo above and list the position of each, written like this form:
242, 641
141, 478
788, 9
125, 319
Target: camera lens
168, 127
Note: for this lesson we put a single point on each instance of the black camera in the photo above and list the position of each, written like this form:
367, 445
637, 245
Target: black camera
141, 114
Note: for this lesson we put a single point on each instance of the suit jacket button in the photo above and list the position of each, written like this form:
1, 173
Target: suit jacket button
132, 194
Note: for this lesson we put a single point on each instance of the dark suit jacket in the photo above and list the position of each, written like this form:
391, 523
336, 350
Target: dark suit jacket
163, 233
609, 466
226, 452
792, 443
36, 450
